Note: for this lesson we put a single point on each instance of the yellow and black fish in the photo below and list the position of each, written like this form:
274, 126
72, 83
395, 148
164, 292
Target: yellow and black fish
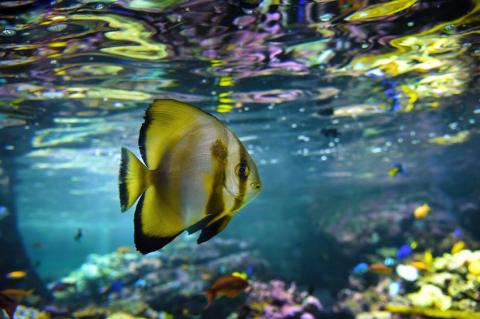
197, 174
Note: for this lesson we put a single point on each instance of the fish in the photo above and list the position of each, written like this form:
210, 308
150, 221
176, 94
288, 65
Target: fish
389, 261
326, 112
428, 258
330, 132
205, 276
8, 304
16, 295
195, 175
421, 211
380, 268
360, 268
398, 168
420, 265
18, 274
62, 286
4, 212
78, 235
457, 138
227, 285
114, 287
123, 249
404, 251
242, 275
458, 232
457, 247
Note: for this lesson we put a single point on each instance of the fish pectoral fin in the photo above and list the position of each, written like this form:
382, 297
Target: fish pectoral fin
213, 228
156, 224
201, 224
232, 293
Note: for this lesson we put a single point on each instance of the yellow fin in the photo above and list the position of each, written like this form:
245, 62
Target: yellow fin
166, 122
156, 224
132, 179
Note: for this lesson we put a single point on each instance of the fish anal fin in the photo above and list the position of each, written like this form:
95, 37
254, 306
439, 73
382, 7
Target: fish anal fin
156, 224
213, 228
210, 294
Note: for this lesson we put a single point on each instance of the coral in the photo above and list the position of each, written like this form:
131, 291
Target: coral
430, 296
447, 287
92, 312
432, 313
274, 300
24, 312
171, 280
122, 315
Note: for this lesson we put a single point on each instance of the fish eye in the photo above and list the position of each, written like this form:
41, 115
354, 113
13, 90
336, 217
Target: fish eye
242, 170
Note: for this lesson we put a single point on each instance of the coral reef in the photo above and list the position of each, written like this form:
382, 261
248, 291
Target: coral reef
274, 300
169, 284
447, 287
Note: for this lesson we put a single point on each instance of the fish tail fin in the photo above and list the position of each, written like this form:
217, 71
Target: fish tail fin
210, 294
132, 179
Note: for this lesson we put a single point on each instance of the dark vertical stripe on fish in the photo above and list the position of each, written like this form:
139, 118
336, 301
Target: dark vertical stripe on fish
216, 203
143, 136
242, 183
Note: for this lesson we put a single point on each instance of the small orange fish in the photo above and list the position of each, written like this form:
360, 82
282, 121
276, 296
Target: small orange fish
228, 285
380, 268
420, 265
16, 294
19, 274
206, 276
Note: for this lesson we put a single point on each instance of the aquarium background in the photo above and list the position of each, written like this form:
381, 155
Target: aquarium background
355, 112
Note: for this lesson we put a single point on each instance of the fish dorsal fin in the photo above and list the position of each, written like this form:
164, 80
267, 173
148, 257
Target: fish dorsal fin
166, 122
213, 228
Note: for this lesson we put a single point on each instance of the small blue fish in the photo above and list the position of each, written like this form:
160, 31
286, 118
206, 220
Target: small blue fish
249, 271
361, 268
116, 285
140, 283
458, 232
389, 261
404, 251
3, 212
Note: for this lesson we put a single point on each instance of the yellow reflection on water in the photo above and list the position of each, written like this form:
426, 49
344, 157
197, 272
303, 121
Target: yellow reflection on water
381, 10
434, 58
131, 31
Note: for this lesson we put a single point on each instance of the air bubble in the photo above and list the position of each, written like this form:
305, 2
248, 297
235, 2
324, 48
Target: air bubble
8, 32
326, 17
